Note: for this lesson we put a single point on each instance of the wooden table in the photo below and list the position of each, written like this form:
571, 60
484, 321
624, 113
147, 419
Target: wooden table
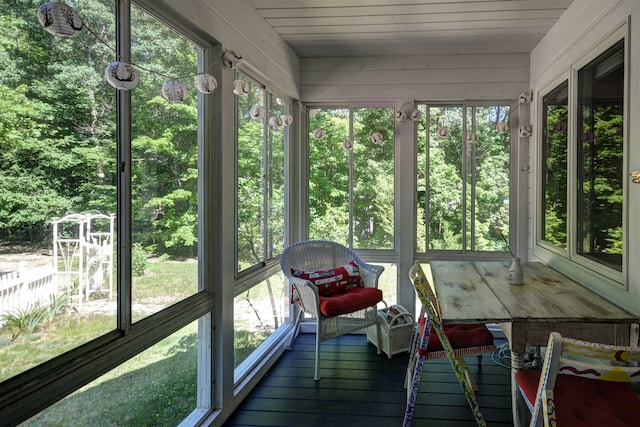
479, 291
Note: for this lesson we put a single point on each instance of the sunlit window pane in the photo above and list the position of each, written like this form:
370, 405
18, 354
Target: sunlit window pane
463, 180
57, 187
488, 177
554, 166
351, 176
329, 175
164, 170
444, 159
388, 282
373, 178
260, 134
600, 158
250, 176
275, 183
158, 387
421, 181
258, 312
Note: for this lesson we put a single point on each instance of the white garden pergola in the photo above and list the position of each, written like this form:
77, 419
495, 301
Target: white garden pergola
83, 251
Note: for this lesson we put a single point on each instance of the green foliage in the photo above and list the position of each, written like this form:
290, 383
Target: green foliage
486, 178
58, 128
260, 181
138, 260
554, 181
369, 218
245, 342
161, 386
24, 321
601, 180
59, 304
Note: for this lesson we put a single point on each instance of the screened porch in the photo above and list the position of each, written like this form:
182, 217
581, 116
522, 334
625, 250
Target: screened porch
213, 134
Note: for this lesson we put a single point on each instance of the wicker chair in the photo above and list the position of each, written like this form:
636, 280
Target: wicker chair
450, 341
583, 384
339, 311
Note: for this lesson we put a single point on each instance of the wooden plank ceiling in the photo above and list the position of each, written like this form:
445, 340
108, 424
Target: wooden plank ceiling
330, 28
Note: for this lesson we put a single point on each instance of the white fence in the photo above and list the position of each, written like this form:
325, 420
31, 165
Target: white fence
22, 289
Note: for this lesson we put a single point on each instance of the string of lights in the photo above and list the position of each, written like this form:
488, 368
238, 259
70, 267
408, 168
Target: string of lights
61, 20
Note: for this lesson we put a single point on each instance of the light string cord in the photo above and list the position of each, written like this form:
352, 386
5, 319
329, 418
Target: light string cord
120, 58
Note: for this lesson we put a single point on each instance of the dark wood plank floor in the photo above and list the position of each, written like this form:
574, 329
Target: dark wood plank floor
361, 388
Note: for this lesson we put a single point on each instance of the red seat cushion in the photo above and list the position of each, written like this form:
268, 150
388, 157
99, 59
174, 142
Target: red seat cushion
528, 380
349, 301
461, 336
585, 402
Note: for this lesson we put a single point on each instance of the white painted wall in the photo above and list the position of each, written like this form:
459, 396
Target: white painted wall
426, 78
585, 26
237, 26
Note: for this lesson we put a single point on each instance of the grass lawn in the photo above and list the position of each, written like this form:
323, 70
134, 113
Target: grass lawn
159, 386
155, 388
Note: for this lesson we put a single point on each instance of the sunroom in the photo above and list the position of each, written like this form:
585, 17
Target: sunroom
159, 156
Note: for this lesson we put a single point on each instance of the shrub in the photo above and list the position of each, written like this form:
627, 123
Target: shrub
58, 304
24, 321
138, 260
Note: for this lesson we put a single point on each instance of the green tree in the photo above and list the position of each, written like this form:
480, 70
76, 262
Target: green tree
369, 217
58, 158
58, 127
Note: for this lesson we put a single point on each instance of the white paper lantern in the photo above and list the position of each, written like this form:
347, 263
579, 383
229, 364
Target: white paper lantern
501, 127
376, 138
122, 75
275, 122
401, 116
318, 133
287, 119
472, 137
240, 87
443, 131
174, 91
59, 19
231, 59
416, 115
258, 113
347, 145
205, 83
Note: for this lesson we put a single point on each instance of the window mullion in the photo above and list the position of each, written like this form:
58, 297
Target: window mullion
464, 178
123, 108
266, 170
351, 178
427, 179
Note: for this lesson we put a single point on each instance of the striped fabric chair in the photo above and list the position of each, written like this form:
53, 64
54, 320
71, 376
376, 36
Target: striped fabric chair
583, 384
450, 341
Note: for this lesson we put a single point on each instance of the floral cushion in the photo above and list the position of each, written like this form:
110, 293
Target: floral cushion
335, 281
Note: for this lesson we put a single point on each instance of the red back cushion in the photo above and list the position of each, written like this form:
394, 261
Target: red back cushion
334, 281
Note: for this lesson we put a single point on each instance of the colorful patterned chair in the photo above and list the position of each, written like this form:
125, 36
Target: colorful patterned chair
331, 283
450, 341
583, 384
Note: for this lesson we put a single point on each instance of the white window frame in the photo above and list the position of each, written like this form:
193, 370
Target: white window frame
578, 265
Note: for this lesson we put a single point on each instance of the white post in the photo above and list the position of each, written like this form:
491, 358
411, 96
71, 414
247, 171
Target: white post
24, 294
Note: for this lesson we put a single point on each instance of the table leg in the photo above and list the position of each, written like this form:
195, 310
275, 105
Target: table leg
520, 410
